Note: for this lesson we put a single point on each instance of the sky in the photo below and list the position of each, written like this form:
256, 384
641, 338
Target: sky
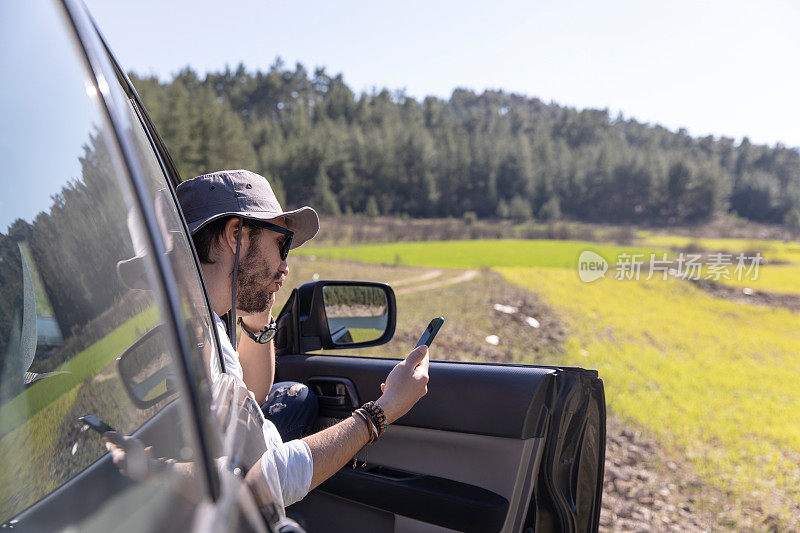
713, 67
49, 116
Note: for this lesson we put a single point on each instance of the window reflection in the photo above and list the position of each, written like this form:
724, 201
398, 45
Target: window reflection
76, 287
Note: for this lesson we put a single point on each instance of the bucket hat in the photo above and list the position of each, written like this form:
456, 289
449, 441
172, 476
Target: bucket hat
241, 193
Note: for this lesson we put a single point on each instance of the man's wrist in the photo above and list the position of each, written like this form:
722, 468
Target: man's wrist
388, 409
262, 336
255, 327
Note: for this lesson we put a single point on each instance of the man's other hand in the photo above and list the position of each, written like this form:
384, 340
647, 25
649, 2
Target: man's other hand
405, 384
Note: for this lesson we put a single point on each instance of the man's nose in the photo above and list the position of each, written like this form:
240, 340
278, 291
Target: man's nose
284, 267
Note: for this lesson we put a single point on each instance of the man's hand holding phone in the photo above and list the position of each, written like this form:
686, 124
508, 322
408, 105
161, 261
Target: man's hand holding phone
405, 384
408, 380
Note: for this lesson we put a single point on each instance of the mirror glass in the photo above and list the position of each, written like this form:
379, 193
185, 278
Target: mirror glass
145, 369
355, 313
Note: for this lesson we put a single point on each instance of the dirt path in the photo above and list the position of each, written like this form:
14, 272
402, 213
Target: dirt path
465, 276
750, 296
423, 277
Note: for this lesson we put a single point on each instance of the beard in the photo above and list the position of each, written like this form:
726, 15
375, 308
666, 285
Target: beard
253, 278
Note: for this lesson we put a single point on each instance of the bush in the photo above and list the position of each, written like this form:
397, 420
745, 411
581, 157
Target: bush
372, 210
519, 209
551, 210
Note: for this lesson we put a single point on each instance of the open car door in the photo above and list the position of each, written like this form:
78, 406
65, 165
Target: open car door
491, 447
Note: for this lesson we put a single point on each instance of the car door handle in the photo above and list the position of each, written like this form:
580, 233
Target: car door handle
334, 392
335, 401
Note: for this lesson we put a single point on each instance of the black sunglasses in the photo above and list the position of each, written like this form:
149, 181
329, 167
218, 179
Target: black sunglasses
287, 242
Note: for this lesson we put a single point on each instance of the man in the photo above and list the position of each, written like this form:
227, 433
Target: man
210, 204
243, 259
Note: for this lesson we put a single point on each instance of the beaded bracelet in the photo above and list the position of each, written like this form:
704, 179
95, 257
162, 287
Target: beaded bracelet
378, 416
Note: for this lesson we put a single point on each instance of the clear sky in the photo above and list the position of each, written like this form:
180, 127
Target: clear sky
49, 116
728, 67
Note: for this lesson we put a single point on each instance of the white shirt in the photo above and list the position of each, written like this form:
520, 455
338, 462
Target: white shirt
292, 459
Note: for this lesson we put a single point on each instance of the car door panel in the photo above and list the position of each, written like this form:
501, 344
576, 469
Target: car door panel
320, 511
497, 470
491, 472
483, 428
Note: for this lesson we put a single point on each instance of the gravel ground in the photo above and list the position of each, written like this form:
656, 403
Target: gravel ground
646, 490
640, 493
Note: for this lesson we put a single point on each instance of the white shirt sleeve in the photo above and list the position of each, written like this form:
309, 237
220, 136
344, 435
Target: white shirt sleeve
294, 464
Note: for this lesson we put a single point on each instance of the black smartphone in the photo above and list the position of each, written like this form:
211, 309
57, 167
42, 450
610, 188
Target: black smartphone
95, 423
430, 332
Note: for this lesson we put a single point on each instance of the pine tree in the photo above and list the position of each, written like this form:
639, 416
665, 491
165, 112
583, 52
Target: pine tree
385, 152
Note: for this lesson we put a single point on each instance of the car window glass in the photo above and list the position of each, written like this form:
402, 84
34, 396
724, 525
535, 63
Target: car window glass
79, 306
197, 318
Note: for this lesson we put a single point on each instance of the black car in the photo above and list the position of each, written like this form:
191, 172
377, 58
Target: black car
105, 323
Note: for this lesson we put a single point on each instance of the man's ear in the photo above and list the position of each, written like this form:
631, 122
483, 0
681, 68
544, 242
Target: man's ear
229, 235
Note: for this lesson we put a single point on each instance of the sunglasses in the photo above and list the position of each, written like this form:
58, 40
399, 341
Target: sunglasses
286, 243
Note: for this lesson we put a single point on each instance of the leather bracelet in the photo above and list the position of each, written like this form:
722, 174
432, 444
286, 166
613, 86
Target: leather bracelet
373, 432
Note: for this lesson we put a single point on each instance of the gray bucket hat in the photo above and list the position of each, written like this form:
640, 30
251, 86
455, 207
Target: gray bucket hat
241, 193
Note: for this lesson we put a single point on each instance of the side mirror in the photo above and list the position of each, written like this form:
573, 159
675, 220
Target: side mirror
336, 314
145, 368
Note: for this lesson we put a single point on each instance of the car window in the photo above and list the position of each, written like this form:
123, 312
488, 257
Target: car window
179, 252
196, 318
244, 440
80, 311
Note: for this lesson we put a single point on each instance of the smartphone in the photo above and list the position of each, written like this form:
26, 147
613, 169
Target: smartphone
430, 332
95, 423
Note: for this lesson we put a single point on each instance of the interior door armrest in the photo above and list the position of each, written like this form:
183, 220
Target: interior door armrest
431, 499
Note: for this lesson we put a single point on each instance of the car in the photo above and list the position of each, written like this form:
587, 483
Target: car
105, 324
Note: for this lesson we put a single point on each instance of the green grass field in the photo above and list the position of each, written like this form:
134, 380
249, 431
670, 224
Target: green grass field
714, 380
474, 254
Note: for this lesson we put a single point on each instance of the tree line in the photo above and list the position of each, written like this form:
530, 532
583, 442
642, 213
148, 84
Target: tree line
495, 154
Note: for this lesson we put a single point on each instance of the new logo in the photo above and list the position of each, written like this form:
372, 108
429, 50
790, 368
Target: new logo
591, 266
